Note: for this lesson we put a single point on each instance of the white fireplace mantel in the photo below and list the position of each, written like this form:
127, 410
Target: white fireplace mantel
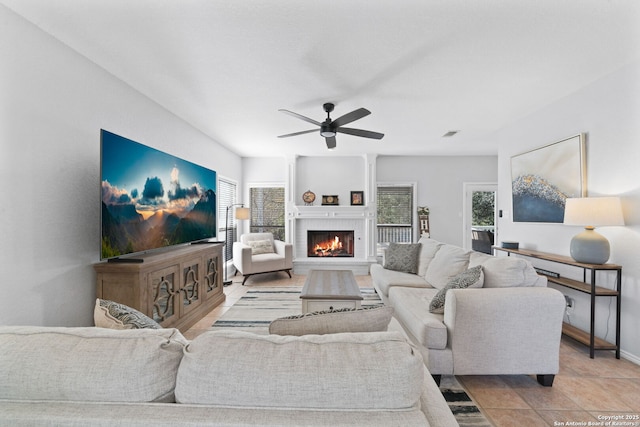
360, 218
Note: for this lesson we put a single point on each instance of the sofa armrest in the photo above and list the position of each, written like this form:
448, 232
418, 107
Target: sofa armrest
242, 257
504, 330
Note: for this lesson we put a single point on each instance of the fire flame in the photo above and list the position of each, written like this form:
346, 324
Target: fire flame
324, 248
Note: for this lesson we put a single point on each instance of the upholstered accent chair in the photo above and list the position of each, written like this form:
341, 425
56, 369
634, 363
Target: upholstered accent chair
257, 253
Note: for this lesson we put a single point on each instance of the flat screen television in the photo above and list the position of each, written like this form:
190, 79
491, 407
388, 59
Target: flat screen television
151, 199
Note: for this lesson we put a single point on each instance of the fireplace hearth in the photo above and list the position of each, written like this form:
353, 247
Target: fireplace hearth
330, 243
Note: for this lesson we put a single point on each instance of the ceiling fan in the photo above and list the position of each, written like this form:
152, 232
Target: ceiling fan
329, 128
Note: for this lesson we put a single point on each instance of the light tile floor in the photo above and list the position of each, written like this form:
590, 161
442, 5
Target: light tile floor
584, 389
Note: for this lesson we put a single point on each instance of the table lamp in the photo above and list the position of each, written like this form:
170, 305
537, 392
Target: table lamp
590, 212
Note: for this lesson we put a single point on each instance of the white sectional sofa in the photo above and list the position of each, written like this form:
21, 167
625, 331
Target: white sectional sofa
154, 377
510, 325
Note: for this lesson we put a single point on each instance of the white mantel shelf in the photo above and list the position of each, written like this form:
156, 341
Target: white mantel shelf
308, 212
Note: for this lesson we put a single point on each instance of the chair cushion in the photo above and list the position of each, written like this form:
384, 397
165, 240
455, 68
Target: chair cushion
366, 319
472, 278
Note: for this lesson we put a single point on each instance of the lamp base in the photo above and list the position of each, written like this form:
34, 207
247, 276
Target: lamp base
590, 247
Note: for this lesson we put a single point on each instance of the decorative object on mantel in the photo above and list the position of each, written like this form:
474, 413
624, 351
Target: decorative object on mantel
588, 246
357, 198
309, 197
330, 200
423, 216
543, 178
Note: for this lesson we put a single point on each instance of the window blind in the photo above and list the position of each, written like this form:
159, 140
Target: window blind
267, 210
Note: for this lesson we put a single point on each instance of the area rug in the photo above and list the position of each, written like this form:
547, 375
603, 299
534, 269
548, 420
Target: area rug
259, 306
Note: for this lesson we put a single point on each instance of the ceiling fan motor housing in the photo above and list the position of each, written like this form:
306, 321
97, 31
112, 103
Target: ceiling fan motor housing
326, 129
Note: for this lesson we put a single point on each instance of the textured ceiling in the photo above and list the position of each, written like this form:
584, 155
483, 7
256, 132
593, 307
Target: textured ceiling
422, 67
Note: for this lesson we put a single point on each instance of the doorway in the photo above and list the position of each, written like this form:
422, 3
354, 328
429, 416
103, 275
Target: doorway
479, 216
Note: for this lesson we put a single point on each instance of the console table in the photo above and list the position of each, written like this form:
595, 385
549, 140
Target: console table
176, 288
588, 287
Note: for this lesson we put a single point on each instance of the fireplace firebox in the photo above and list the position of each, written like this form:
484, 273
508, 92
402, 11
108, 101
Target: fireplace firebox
330, 243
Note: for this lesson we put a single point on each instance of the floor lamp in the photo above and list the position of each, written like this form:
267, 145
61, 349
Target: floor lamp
240, 213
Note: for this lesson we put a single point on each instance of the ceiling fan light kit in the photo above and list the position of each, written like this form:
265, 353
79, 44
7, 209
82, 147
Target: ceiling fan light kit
329, 128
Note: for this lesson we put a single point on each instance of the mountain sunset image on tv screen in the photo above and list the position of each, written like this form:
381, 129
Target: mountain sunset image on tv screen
151, 199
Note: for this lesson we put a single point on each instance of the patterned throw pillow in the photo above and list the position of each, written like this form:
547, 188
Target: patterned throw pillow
261, 247
472, 278
113, 315
365, 319
403, 257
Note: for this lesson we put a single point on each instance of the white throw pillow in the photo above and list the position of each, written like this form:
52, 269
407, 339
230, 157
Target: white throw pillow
261, 247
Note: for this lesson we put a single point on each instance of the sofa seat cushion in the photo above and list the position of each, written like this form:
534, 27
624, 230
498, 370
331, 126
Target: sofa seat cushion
448, 262
89, 364
411, 308
507, 272
384, 279
370, 370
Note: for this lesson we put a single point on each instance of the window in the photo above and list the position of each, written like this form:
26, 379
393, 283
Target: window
267, 211
395, 214
226, 197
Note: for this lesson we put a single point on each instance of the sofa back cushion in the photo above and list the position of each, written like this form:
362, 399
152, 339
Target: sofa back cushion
428, 252
89, 364
448, 262
507, 272
374, 370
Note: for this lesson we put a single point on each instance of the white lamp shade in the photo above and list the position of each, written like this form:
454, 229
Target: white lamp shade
242, 213
593, 211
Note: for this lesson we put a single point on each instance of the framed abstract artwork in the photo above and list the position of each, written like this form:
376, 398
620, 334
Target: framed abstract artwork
543, 178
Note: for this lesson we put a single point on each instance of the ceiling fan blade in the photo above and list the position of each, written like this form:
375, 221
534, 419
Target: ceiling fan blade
297, 133
331, 142
360, 132
301, 117
351, 117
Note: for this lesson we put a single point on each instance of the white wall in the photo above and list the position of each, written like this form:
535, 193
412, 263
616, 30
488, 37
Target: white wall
607, 111
52, 107
440, 180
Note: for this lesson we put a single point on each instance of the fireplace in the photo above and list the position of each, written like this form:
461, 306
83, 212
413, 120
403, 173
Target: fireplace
330, 243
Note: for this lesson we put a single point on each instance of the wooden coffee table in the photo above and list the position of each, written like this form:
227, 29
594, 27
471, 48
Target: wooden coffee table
330, 290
